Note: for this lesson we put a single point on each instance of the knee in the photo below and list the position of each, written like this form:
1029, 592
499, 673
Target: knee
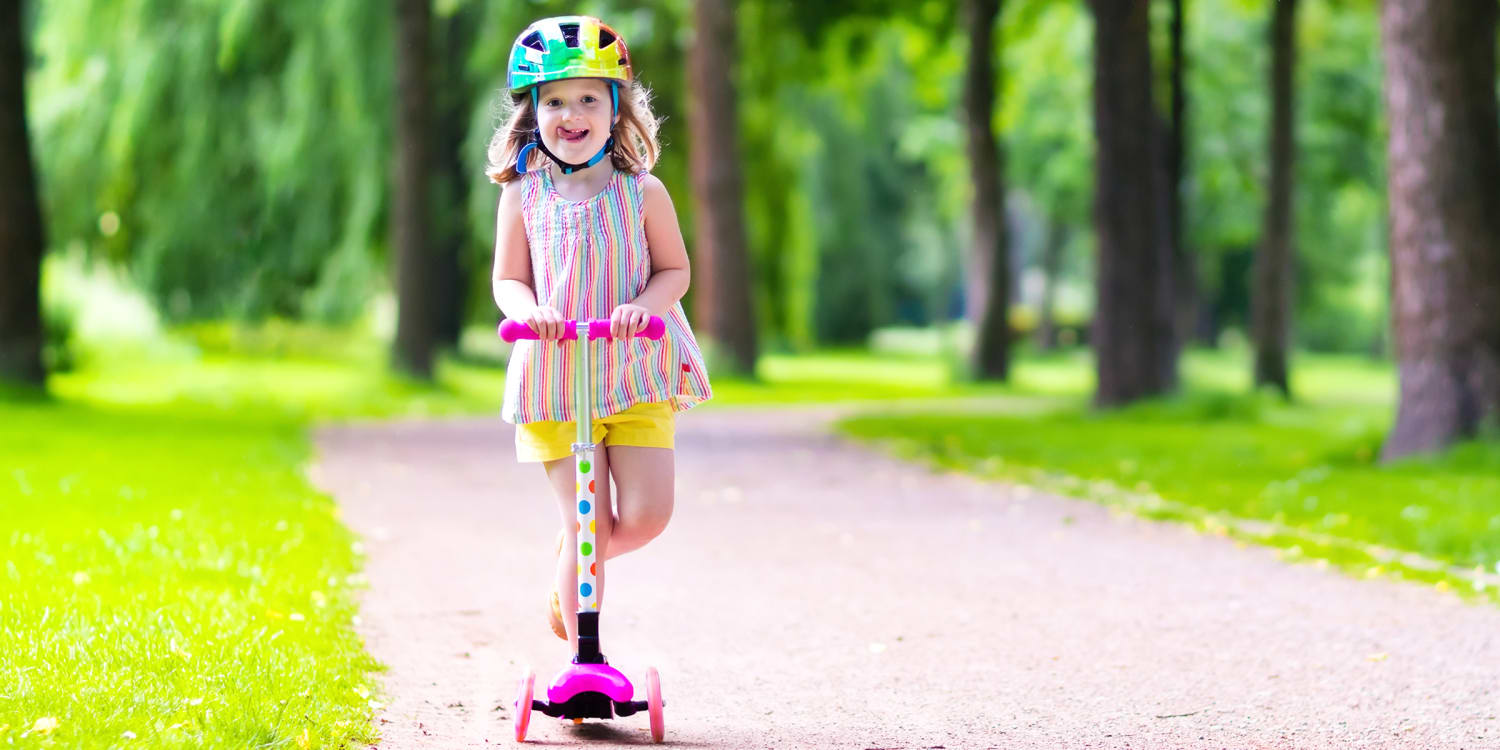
648, 523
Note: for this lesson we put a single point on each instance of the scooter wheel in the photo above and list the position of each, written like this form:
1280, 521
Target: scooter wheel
653, 705
523, 705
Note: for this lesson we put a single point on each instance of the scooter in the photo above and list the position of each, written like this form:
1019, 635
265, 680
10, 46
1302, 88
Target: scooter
589, 687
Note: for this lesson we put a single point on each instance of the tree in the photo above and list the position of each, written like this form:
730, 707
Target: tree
1132, 332
723, 308
989, 264
21, 234
1444, 193
416, 321
452, 180
1184, 266
1271, 300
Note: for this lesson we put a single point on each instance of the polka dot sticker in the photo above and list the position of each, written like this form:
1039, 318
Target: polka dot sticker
583, 506
587, 549
583, 466
591, 528
585, 589
591, 487
594, 570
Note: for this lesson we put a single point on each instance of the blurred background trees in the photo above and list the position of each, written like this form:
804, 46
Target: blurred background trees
244, 159
21, 233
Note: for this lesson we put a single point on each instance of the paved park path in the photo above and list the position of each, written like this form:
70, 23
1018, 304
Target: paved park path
812, 593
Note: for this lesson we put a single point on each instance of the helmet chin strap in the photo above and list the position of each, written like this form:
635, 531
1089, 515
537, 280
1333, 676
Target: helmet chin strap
570, 167
567, 167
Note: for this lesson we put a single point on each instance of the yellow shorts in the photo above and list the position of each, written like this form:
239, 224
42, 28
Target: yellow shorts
643, 425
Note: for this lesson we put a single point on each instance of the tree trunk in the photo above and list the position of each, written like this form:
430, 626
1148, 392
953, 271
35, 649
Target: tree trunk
1271, 298
723, 306
1165, 284
1444, 193
416, 320
1130, 329
1184, 265
22, 236
989, 266
452, 179
1051, 266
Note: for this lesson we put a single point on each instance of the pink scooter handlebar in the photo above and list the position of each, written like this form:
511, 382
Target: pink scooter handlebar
514, 330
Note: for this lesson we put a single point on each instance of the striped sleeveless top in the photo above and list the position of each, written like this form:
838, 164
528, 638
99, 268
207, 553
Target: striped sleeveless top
587, 257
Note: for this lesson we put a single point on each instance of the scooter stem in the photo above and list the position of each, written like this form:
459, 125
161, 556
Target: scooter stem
583, 461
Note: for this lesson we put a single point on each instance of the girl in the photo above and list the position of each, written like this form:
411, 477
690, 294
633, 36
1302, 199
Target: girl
585, 231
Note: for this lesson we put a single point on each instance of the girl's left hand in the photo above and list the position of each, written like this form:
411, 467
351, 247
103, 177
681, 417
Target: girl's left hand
628, 320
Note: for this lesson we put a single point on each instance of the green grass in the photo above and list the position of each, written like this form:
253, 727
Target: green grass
1302, 476
172, 581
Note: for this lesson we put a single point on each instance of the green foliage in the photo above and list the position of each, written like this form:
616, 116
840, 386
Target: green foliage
1339, 191
1343, 269
1048, 85
227, 149
853, 195
236, 153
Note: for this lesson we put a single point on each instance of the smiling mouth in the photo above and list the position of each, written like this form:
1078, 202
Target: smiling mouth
572, 136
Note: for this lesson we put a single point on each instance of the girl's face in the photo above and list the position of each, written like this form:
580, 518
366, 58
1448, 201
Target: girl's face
574, 117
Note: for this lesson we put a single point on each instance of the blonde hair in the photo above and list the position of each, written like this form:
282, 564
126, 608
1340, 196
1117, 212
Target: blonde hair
635, 148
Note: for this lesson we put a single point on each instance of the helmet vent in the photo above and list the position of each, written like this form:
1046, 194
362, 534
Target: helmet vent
605, 38
570, 34
534, 41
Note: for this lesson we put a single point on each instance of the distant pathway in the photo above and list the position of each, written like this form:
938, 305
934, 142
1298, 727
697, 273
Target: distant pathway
813, 594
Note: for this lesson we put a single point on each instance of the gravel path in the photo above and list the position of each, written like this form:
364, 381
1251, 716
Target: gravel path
812, 594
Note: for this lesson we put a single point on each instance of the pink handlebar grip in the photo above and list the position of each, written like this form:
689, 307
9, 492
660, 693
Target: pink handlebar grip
514, 330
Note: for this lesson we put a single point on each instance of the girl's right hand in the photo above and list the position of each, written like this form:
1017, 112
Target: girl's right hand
548, 323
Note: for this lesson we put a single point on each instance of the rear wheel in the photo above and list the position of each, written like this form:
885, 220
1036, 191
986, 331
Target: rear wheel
654, 704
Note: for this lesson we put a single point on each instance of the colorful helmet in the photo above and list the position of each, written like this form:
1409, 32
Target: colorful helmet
567, 47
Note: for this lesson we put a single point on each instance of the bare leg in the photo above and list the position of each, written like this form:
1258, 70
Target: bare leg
643, 497
643, 479
561, 475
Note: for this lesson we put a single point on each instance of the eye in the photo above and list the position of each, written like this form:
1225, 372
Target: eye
590, 98
552, 103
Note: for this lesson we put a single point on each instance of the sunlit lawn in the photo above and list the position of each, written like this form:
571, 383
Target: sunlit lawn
172, 580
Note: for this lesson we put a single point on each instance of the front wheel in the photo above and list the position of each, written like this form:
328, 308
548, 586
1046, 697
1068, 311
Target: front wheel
523, 705
654, 704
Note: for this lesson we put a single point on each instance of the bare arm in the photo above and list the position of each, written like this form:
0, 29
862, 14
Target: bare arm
670, 271
511, 281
